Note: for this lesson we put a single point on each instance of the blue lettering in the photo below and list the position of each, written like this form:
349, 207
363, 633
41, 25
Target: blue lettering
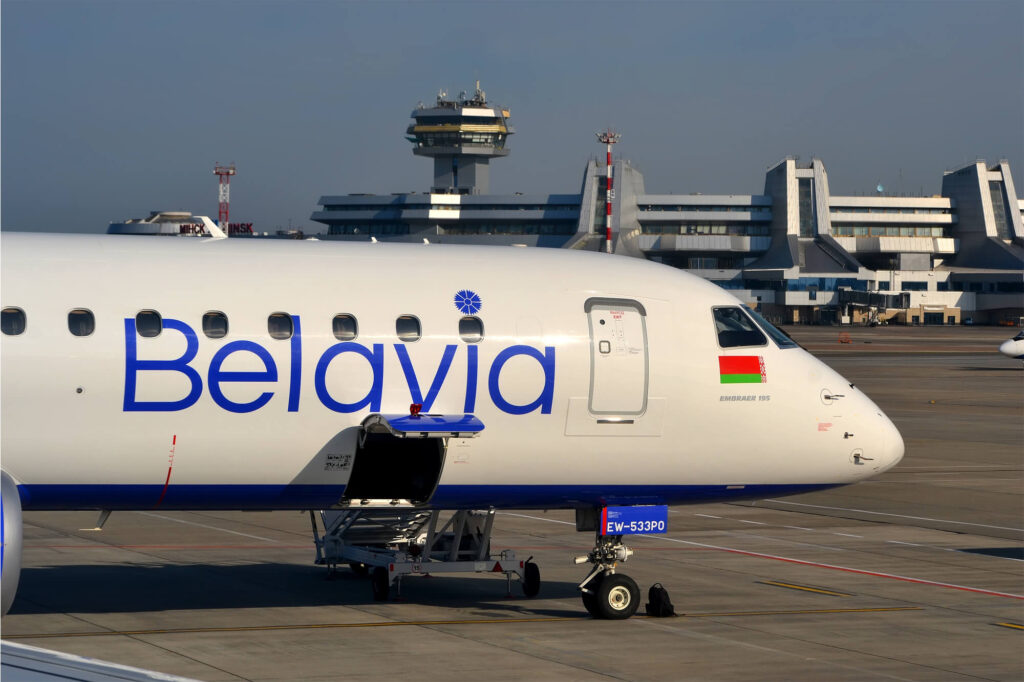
132, 365
414, 384
376, 360
295, 385
471, 372
547, 363
217, 375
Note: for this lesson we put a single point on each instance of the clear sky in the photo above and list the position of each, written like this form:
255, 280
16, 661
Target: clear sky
113, 109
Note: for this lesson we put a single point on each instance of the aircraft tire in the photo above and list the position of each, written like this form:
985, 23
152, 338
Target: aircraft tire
618, 597
531, 579
590, 598
380, 583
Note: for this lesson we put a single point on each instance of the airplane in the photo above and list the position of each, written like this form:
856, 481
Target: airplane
1013, 348
381, 384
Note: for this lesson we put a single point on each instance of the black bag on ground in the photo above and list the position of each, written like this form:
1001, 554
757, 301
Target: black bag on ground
659, 605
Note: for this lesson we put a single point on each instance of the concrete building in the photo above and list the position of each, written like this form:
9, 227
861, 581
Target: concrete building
174, 224
797, 252
462, 136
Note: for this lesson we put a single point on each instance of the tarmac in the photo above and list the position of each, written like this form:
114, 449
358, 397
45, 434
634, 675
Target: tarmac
915, 575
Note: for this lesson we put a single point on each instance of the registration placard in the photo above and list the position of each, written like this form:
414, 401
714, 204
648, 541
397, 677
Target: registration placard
634, 520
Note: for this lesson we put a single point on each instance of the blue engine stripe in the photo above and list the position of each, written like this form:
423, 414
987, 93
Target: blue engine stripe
129, 497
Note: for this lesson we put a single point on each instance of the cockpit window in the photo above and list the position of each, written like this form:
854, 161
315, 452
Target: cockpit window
781, 338
1019, 337
736, 329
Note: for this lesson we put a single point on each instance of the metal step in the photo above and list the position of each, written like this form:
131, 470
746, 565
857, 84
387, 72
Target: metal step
375, 526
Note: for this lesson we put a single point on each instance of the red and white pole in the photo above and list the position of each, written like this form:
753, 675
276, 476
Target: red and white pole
608, 138
223, 174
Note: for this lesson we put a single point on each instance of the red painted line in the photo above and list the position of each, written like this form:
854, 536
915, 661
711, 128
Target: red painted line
918, 581
875, 574
174, 442
833, 567
164, 491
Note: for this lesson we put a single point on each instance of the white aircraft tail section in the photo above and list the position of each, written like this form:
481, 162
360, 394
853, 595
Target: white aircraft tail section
212, 228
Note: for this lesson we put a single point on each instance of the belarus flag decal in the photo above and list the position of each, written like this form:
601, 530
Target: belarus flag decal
742, 369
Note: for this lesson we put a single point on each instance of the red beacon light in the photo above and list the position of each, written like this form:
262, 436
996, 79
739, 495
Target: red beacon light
414, 409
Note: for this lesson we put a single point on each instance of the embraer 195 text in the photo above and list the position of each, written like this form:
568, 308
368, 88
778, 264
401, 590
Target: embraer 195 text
403, 393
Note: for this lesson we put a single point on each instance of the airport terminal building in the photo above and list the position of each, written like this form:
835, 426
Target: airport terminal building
797, 252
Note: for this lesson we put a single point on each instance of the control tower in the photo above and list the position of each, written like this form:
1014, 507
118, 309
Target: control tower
462, 136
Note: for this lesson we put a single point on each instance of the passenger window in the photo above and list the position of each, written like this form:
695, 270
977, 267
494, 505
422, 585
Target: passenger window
280, 326
215, 324
81, 322
12, 321
345, 327
471, 329
408, 328
148, 323
736, 329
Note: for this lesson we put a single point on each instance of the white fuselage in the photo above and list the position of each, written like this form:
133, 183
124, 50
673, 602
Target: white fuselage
97, 422
1013, 348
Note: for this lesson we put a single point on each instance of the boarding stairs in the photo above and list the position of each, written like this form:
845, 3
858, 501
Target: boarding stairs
373, 527
391, 541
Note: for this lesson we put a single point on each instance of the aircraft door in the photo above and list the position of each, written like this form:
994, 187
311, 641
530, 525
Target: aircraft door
619, 362
390, 468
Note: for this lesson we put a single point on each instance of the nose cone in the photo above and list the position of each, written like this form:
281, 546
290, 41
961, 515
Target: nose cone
890, 444
1008, 348
877, 443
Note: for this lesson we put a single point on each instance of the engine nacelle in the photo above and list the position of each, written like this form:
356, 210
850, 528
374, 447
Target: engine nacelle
10, 554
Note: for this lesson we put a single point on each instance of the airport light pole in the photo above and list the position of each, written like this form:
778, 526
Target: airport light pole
223, 174
608, 138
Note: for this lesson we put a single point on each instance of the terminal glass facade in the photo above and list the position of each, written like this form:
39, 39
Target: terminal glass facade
888, 231
806, 207
999, 209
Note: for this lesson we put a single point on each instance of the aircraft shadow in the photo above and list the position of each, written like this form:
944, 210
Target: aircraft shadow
1002, 552
148, 587
991, 369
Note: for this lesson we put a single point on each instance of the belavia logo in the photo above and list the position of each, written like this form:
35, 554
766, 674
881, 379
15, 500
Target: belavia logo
279, 374
742, 369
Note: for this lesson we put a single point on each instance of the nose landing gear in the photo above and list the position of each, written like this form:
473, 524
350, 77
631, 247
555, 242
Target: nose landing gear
607, 594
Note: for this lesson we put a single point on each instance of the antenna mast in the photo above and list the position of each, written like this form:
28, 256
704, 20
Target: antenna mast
608, 138
223, 174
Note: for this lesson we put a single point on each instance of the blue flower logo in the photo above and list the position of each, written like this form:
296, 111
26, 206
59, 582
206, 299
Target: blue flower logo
468, 302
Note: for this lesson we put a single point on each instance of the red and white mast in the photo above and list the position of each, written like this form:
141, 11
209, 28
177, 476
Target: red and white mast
609, 138
223, 174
